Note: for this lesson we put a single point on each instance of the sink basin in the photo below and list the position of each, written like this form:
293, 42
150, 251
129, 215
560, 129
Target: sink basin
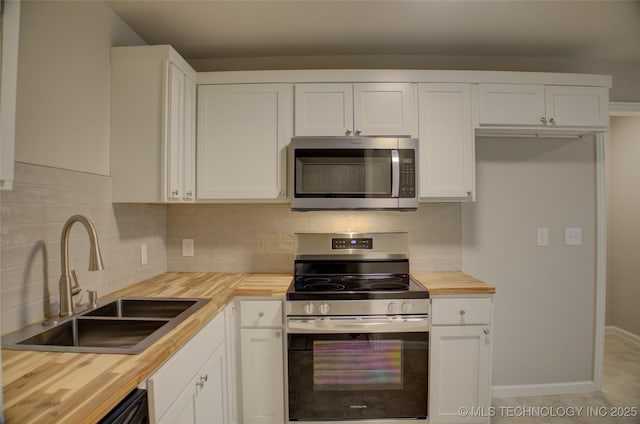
117, 325
96, 333
143, 308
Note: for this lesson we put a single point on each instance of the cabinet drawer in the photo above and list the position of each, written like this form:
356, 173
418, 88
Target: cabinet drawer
461, 311
261, 313
170, 380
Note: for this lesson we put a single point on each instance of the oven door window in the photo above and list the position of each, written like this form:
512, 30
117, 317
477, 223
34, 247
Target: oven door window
357, 376
343, 173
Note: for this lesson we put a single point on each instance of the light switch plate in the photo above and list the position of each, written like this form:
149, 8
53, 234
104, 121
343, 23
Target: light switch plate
187, 247
143, 254
542, 237
573, 236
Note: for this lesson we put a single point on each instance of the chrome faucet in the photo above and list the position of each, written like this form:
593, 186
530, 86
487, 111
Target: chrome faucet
95, 263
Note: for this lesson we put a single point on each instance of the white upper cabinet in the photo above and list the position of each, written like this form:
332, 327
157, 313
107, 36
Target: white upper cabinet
364, 109
324, 109
511, 104
8, 84
152, 125
243, 131
577, 106
446, 141
544, 106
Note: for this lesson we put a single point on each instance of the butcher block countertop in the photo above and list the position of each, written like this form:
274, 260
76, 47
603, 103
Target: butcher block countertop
55, 387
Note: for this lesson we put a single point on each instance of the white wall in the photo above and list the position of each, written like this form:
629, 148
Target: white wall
259, 238
623, 266
62, 168
63, 105
545, 296
625, 73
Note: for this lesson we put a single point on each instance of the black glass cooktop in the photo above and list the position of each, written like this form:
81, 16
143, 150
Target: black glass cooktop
348, 287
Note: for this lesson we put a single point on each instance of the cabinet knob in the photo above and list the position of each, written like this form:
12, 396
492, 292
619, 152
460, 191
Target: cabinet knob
543, 120
348, 131
485, 331
468, 192
175, 192
462, 312
281, 194
552, 121
358, 131
260, 314
277, 334
189, 194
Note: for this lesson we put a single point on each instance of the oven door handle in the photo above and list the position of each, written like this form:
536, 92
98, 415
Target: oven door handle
358, 325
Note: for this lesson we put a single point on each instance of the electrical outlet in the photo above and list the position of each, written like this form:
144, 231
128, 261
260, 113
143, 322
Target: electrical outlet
573, 236
187, 247
542, 237
143, 254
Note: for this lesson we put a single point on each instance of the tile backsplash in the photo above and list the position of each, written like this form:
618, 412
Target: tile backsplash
259, 238
32, 217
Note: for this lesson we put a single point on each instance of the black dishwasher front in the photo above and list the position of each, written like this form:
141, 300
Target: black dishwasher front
132, 410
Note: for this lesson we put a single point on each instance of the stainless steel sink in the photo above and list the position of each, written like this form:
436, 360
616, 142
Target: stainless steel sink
117, 325
143, 308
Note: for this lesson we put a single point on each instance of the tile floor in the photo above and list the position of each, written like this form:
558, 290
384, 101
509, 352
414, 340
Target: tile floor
620, 389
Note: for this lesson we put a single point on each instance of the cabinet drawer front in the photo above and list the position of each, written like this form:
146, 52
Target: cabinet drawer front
461, 311
266, 313
170, 380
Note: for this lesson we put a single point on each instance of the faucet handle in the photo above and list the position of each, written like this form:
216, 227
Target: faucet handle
93, 298
75, 287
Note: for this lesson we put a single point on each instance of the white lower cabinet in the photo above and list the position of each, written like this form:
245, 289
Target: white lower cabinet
190, 387
460, 360
262, 362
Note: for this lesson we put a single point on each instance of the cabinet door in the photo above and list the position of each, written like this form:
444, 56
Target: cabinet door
243, 131
183, 409
383, 109
231, 339
446, 141
460, 369
511, 104
175, 133
577, 106
188, 162
210, 401
262, 376
323, 109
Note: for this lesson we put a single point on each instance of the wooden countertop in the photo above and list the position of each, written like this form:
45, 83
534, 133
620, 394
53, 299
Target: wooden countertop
54, 387
447, 283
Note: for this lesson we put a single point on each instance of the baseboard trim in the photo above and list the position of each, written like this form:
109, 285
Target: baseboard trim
623, 334
543, 389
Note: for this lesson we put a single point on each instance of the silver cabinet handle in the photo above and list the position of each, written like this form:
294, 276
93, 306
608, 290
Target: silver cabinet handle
485, 331
277, 334
543, 120
348, 131
260, 314
189, 193
462, 312
358, 131
175, 193
203, 379
552, 121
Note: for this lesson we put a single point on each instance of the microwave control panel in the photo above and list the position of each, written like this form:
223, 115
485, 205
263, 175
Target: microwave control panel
407, 173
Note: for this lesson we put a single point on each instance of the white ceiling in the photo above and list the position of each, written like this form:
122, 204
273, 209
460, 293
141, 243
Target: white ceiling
207, 29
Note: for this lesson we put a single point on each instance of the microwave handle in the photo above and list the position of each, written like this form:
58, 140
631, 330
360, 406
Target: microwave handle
395, 173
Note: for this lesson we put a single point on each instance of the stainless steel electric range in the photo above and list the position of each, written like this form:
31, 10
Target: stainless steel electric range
357, 331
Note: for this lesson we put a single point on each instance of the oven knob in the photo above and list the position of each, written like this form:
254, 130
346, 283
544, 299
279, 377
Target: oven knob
324, 308
391, 307
406, 307
308, 308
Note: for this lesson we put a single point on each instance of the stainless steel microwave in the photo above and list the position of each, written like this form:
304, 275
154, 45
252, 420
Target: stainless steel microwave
353, 173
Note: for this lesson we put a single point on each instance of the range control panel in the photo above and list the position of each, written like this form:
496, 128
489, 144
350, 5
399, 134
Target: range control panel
351, 243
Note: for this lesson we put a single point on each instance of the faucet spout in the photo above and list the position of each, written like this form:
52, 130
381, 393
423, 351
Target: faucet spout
95, 261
